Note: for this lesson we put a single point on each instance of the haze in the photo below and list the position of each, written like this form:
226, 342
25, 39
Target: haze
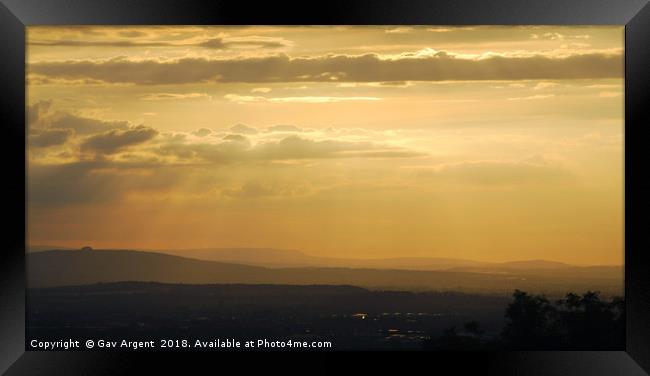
481, 143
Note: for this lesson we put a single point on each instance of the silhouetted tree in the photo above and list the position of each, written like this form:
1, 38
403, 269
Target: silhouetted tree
590, 323
618, 307
577, 322
473, 328
452, 339
530, 322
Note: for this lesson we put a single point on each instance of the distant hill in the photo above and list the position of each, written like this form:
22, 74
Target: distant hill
533, 264
279, 258
64, 268
288, 258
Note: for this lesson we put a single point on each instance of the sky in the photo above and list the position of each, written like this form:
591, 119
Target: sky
490, 143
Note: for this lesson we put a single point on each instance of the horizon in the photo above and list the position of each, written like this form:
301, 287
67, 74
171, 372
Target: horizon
484, 143
179, 252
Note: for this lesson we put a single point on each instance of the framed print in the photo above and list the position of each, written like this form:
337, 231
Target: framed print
458, 185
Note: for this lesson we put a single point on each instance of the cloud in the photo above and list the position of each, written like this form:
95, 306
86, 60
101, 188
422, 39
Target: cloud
238, 148
532, 97
132, 34
545, 85
49, 137
244, 98
41, 116
284, 128
294, 147
97, 43
400, 30
305, 99
448, 29
83, 125
376, 84
161, 165
116, 140
202, 132
213, 43
393, 83
250, 41
605, 86
243, 129
553, 36
121, 141
315, 99
37, 111
109, 161
261, 90
559, 37
69, 183
95, 181
235, 137
430, 66
164, 96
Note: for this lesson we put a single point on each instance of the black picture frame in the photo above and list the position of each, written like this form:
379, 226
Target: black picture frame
15, 15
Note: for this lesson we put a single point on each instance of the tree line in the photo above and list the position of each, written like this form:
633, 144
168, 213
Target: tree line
533, 322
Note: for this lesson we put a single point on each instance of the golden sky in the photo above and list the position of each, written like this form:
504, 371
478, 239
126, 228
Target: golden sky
485, 143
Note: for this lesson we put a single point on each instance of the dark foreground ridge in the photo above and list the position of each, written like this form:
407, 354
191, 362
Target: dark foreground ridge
349, 317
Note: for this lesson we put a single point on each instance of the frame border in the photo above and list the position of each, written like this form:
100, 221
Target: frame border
15, 15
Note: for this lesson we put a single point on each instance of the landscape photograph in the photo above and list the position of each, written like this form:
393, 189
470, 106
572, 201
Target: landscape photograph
324, 188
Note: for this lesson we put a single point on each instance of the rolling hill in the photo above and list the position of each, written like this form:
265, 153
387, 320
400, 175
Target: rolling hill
65, 268
279, 258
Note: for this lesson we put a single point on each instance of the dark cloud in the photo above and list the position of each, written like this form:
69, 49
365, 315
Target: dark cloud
79, 182
116, 140
40, 115
49, 137
96, 181
104, 179
220, 43
336, 68
36, 111
214, 43
83, 126
98, 43
50, 128
104, 138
